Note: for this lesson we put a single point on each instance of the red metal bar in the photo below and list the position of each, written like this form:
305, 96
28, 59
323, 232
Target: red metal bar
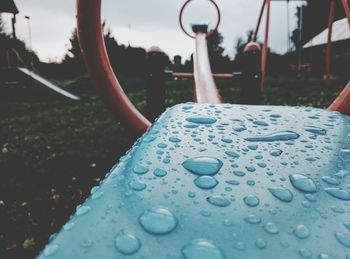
255, 35
342, 103
266, 45
329, 41
205, 89
346, 9
94, 52
216, 76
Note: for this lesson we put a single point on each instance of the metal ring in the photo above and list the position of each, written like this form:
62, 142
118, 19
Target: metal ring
211, 32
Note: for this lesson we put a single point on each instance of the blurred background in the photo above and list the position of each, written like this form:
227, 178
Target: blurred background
53, 149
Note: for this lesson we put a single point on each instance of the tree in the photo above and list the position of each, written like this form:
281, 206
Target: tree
219, 61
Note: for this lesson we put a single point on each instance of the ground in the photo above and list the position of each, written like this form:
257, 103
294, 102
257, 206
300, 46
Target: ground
53, 152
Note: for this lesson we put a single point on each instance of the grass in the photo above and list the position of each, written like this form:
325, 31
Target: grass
52, 152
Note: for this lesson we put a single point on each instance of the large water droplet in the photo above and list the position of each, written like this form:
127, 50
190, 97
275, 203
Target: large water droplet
82, 210
201, 120
160, 172
50, 250
251, 200
338, 193
126, 243
252, 219
218, 200
137, 185
276, 152
206, 182
271, 228
139, 169
232, 154
330, 180
201, 249
343, 239
303, 183
203, 165
315, 130
158, 221
260, 243
301, 232
278, 136
281, 193
305, 253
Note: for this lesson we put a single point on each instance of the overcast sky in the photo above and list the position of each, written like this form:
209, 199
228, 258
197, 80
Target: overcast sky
152, 22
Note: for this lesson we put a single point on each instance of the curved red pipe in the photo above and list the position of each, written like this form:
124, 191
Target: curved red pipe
346, 9
255, 35
205, 88
342, 102
98, 66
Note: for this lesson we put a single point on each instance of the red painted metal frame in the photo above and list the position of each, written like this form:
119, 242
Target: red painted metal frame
209, 33
329, 41
205, 88
94, 52
255, 35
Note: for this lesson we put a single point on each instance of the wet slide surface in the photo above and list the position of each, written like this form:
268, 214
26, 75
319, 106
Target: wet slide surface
222, 181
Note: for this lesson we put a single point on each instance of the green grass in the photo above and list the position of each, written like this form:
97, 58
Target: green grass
52, 152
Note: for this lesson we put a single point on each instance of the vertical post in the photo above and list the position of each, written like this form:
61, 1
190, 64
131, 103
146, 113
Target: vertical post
14, 26
255, 35
251, 74
329, 42
266, 44
155, 86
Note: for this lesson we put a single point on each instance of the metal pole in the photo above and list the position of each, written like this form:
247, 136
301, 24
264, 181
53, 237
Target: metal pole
14, 26
266, 43
255, 35
30, 41
288, 28
346, 9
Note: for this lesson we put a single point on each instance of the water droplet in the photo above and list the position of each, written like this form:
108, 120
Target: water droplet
252, 219
315, 130
82, 210
232, 154
303, 183
271, 228
206, 182
301, 232
86, 243
251, 201
232, 182
158, 221
126, 243
218, 200
203, 165
160, 172
137, 185
201, 120
239, 173
174, 140
278, 136
305, 253
50, 250
338, 193
343, 239
324, 256
201, 249
260, 243
276, 152
330, 180
261, 123
281, 193
68, 226
139, 169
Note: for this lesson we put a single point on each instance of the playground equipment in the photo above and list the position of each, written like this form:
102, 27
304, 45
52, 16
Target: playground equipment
13, 78
267, 6
212, 180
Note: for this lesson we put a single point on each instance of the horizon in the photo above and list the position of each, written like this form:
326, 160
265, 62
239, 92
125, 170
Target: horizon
50, 40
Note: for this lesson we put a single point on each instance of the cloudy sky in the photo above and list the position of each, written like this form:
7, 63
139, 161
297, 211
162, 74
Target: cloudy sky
147, 23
